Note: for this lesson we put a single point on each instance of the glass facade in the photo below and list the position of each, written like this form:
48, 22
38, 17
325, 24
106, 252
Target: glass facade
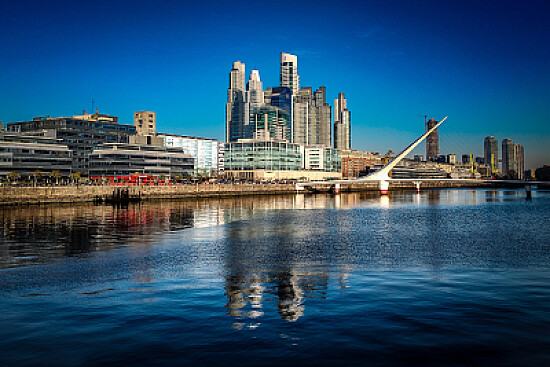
271, 123
262, 155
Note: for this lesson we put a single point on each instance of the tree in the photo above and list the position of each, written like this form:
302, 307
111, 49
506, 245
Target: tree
177, 177
56, 174
36, 174
13, 176
75, 176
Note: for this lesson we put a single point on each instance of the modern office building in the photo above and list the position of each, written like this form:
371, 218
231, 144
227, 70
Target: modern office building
249, 155
322, 117
509, 163
432, 141
520, 161
236, 115
490, 153
269, 160
29, 156
342, 123
281, 97
451, 158
304, 129
289, 72
322, 158
270, 123
121, 160
205, 152
145, 122
80, 133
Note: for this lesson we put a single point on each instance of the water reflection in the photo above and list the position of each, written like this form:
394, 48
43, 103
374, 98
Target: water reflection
38, 234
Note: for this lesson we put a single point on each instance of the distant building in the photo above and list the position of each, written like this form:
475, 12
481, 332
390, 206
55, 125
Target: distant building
235, 114
342, 123
490, 150
467, 158
270, 123
513, 159
479, 160
323, 117
145, 122
289, 72
304, 128
451, 158
321, 158
357, 163
281, 97
418, 158
520, 161
432, 141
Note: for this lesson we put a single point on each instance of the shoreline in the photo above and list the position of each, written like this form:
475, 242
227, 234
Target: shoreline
10, 196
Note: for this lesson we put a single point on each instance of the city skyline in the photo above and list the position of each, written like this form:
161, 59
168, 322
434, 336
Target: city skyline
481, 64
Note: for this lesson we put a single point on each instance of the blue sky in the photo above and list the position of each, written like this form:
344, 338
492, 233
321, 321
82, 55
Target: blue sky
486, 64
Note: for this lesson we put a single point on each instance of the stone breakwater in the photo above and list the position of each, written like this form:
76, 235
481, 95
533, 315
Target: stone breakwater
71, 194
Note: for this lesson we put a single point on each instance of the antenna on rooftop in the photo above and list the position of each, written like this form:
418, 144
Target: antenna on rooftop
92, 105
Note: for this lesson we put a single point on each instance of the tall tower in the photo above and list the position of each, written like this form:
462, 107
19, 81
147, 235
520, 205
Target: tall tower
235, 115
490, 150
303, 129
289, 72
508, 157
342, 123
520, 161
432, 141
323, 117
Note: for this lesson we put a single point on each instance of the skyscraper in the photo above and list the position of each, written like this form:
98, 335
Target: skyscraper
281, 97
520, 161
490, 149
254, 100
303, 120
509, 165
289, 72
342, 123
235, 115
323, 117
432, 141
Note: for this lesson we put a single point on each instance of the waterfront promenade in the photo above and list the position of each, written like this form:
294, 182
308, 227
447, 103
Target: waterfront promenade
12, 195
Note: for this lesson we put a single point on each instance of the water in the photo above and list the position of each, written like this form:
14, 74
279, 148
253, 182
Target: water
450, 277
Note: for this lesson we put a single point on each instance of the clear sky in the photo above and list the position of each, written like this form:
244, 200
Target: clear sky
486, 64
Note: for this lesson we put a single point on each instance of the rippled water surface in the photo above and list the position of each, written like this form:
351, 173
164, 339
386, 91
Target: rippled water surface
450, 277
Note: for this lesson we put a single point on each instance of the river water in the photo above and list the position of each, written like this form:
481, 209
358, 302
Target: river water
444, 277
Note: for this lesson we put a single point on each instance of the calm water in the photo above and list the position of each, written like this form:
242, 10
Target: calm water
451, 277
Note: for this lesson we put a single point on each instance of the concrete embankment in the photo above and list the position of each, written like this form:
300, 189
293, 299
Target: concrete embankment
70, 194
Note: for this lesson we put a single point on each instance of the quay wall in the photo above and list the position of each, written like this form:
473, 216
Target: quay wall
70, 194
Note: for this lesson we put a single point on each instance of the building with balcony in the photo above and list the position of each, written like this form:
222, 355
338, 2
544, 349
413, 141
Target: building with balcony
120, 159
81, 133
28, 156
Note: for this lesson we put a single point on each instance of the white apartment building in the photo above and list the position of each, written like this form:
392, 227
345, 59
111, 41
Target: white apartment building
204, 151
